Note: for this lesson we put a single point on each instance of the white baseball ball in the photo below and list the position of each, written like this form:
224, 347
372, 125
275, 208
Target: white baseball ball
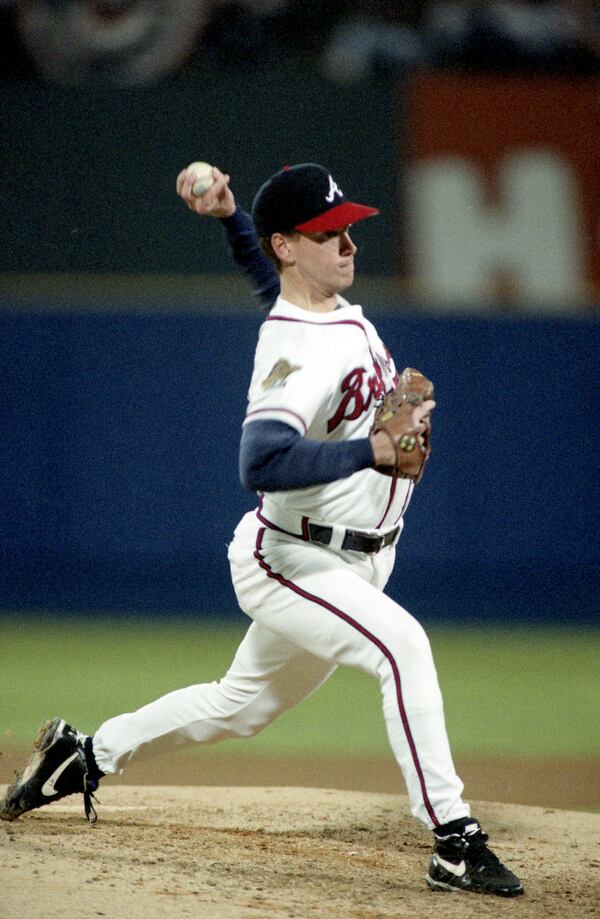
204, 178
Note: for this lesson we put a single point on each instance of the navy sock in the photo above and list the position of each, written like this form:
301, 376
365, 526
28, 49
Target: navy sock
93, 772
455, 826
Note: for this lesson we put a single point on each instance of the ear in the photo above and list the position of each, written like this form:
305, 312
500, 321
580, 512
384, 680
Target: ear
281, 248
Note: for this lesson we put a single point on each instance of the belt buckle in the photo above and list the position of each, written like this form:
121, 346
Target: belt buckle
391, 536
379, 543
386, 539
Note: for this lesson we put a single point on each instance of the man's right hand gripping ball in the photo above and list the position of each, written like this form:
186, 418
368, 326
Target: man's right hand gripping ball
405, 418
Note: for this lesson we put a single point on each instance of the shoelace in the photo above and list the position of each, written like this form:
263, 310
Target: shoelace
479, 854
89, 787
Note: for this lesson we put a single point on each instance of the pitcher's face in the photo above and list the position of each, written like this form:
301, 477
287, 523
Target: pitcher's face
325, 260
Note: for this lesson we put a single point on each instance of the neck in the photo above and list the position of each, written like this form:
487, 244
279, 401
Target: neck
298, 293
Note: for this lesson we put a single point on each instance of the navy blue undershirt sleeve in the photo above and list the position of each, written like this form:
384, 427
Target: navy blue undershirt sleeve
275, 457
249, 257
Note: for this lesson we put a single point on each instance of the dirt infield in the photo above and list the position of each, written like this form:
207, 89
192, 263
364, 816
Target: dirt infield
569, 784
273, 853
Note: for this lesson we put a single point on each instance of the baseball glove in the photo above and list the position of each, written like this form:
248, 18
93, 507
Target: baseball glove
400, 416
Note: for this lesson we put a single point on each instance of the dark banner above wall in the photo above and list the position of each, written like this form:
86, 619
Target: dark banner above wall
88, 175
488, 187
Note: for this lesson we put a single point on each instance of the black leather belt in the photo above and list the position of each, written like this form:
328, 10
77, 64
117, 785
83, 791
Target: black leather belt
353, 539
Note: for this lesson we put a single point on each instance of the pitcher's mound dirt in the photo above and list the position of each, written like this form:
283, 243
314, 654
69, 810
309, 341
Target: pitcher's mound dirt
269, 853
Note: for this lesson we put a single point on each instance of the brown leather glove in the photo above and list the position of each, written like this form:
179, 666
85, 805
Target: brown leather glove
405, 416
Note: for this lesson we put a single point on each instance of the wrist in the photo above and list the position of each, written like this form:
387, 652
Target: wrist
230, 213
384, 452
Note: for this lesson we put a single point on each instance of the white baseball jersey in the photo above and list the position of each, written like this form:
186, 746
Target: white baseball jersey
324, 374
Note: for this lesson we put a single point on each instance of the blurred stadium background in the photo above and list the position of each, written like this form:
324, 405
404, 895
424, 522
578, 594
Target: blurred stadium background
126, 337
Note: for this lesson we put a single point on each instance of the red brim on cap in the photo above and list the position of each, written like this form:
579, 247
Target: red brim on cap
337, 217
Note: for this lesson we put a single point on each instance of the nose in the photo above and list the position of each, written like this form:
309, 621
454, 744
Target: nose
347, 247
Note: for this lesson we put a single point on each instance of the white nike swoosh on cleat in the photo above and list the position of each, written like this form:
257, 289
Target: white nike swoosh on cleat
48, 788
457, 870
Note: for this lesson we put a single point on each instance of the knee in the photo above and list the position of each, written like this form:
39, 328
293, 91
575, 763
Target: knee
244, 708
410, 646
418, 640
236, 693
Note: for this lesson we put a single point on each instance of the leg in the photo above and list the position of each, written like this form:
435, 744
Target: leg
325, 603
331, 604
268, 675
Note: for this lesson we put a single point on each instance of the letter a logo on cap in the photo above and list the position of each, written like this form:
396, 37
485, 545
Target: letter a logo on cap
333, 190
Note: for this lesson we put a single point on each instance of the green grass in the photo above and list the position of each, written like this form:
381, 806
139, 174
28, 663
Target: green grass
521, 692
514, 692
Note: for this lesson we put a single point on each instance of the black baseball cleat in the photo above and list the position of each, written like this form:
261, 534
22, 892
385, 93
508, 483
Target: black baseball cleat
58, 767
462, 861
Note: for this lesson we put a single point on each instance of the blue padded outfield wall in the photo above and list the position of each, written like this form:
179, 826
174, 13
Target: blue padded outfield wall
120, 487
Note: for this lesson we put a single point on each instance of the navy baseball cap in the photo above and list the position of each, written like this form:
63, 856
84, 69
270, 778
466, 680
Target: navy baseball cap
305, 198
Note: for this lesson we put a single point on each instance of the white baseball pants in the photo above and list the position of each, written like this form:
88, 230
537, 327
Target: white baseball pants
313, 608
